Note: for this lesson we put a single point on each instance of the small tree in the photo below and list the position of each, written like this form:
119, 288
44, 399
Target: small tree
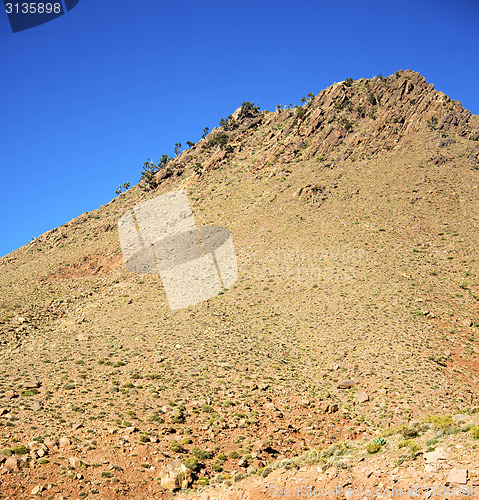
220, 140
148, 173
120, 188
299, 112
198, 168
248, 109
164, 160
177, 148
205, 132
190, 144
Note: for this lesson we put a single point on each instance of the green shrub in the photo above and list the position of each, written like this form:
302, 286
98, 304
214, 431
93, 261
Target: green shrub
20, 449
409, 443
408, 431
29, 392
475, 432
432, 123
441, 421
346, 124
219, 140
198, 168
373, 447
192, 464
176, 447
348, 82
300, 112
360, 111
207, 408
201, 454
248, 109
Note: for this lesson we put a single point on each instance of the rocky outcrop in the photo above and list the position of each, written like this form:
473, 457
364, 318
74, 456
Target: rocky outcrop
349, 120
175, 476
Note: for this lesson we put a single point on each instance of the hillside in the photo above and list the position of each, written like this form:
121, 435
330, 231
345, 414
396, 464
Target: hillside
355, 220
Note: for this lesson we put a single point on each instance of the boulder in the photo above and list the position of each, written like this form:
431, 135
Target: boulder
175, 476
361, 397
457, 476
346, 384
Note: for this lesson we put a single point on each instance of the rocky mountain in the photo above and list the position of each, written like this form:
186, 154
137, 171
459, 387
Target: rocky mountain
345, 354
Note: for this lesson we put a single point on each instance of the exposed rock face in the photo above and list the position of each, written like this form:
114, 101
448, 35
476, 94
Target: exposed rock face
175, 476
359, 118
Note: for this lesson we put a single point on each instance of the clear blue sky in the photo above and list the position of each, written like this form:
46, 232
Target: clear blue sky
88, 97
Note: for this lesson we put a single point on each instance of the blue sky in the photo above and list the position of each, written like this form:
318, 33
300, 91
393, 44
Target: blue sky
89, 96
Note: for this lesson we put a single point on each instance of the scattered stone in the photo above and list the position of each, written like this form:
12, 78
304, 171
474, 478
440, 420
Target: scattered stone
332, 408
458, 476
36, 489
467, 322
64, 442
75, 462
36, 406
175, 476
113, 388
433, 456
346, 384
10, 394
11, 463
361, 397
49, 442
32, 385
76, 426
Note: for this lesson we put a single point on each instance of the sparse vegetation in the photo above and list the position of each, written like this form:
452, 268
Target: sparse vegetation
349, 315
373, 447
432, 123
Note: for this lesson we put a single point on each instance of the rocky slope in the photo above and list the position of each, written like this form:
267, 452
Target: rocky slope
355, 223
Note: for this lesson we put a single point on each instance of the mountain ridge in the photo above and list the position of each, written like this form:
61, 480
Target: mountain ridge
356, 308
